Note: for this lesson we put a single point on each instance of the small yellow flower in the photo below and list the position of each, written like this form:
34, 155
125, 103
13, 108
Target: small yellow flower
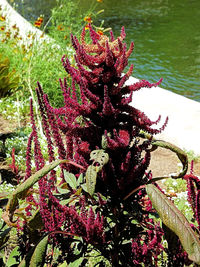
100, 1
60, 27
88, 19
8, 34
100, 32
16, 35
87, 27
40, 19
14, 27
2, 18
38, 22
2, 28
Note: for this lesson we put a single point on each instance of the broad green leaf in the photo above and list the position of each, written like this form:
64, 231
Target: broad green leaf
64, 264
80, 179
12, 257
99, 156
63, 189
70, 178
84, 186
39, 253
175, 221
76, 262
91, 177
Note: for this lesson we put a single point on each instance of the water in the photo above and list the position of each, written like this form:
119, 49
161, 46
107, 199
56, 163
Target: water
166, 34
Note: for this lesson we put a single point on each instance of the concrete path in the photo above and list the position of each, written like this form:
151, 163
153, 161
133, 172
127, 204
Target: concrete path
183, 128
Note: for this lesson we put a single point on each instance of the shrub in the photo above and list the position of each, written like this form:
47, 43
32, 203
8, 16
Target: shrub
100, 198
9, 82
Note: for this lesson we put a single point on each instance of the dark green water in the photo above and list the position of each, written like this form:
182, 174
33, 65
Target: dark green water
166, 34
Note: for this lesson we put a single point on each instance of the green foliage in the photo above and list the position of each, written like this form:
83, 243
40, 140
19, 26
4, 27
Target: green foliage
9, 82
178, 189
67, 18
12, 260
41, 59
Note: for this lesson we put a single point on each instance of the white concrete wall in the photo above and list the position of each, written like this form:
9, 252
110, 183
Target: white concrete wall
183, 127
13, 17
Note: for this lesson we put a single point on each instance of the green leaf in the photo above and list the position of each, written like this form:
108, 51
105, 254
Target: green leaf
80, 179
64, 264
175, 221
91, 177
39, 253
76, 262
65, 201
70, 178
63, 190
84, 186
12, 257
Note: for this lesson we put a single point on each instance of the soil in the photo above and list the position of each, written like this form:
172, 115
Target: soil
163, 161
6, 125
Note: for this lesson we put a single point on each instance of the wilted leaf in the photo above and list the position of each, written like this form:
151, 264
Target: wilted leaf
99, 156
179, 152
91, 177
175, 221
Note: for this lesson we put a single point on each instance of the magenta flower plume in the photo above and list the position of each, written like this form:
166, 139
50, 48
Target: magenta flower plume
97, 115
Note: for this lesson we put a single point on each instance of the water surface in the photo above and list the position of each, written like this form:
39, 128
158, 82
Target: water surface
166, 34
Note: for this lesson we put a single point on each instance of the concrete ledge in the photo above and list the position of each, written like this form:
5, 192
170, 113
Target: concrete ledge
14, 18
183, 128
